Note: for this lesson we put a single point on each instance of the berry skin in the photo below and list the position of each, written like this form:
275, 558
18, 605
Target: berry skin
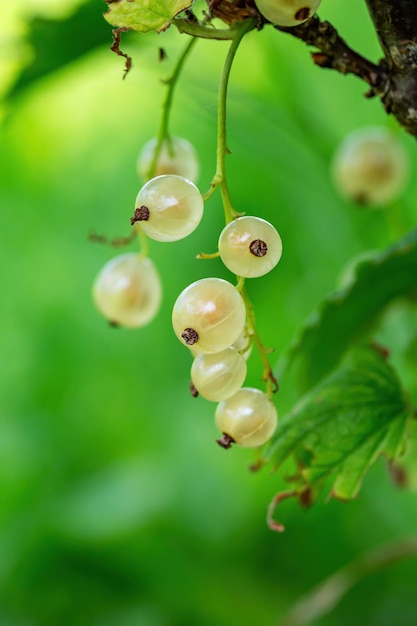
370, 167
219, 375
244, 345
127, 291
175, 157
248, 419
287, 13
209, 315
168, 208
250, 246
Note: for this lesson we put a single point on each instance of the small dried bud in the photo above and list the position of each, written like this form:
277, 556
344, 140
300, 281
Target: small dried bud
190, 336
140, 215
193, 390
258, 247
225, 441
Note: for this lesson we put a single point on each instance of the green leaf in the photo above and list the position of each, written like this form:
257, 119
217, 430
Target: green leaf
58, 42
347, 314
144, 15
341, 427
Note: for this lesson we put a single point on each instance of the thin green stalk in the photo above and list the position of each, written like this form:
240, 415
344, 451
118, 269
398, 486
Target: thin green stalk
197, 29
163, 133
143, 242
267, 374
220, 176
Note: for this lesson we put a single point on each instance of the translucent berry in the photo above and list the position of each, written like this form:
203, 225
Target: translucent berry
176, 156
127, 291
168, 208
287, 12
219, 375
250, 246
370, 167
243, 344
209, 315
248, 419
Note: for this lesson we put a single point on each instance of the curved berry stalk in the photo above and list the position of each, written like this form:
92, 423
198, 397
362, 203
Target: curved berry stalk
163, 137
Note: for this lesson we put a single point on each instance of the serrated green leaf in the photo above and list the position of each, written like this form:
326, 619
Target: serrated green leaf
144, 15
346, 314
355, 415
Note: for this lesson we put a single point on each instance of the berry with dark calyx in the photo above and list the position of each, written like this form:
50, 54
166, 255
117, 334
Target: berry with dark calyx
168, 208
250, 246
248, 419
209, 315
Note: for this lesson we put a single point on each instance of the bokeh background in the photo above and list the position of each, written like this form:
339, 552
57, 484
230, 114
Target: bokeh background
117, 507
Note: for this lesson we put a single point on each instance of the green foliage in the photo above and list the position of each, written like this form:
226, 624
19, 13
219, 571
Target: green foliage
112, 485
144, 15
340, 428
55, 43
347, 314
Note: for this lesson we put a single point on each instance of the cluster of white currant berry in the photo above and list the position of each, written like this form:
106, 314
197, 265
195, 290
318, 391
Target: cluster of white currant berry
210, 316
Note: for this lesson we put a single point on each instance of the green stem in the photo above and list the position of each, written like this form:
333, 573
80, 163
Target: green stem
323, 598
163, 133
143, 242
220, 176
267, 374
196, 29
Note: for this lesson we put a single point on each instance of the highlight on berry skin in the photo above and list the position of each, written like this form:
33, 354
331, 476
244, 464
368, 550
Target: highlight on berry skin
209, 315
127, 290
250, 246
248, 419
219, 375
168, 208
287, 13
176, 156
370, 167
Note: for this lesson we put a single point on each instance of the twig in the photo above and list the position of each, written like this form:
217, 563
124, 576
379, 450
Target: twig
323, 598
336, 54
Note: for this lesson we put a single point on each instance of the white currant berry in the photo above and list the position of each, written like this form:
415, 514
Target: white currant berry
370, 167
248, 419
287, 12
209, 315
219, 375
127, 291
244, 344
250, 246
177, 156
168, 208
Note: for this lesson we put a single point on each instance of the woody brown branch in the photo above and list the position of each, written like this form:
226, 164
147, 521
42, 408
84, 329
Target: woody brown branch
394, 79
334, 53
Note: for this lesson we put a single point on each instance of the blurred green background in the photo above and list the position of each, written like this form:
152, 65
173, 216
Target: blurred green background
117, 507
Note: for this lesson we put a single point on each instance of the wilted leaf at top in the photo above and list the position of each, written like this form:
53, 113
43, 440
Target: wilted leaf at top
341, 427
144, 15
